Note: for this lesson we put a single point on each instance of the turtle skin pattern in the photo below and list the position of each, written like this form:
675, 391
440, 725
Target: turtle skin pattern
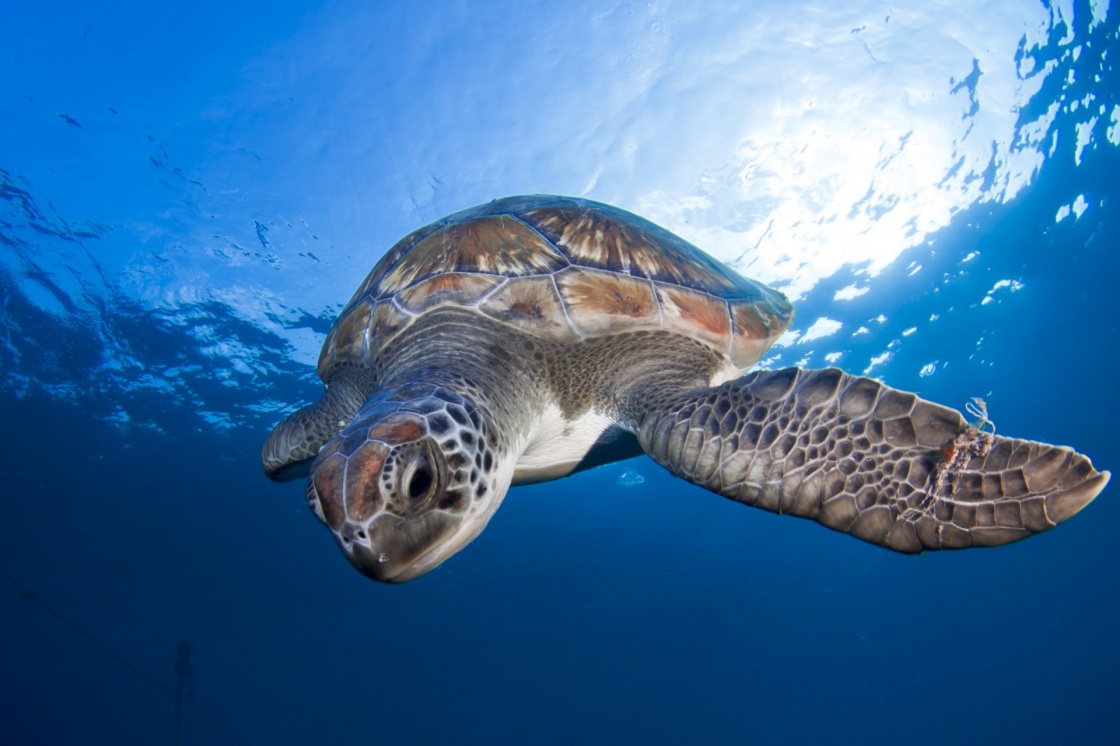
862, 458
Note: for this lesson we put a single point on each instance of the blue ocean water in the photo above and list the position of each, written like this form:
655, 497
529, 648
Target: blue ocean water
188, 195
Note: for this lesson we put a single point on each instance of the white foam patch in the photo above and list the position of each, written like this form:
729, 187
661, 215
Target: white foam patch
1079, 205
1099, 9
1010, 286
876, 361
1084, 138
849, 292
788, 338
822, 327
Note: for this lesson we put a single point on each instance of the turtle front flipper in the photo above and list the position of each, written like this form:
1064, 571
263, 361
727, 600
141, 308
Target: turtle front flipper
293, 444
860, 457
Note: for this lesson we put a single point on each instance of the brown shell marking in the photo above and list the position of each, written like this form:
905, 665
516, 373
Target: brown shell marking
386, 263
360, 333
385, 323
348, 338
696, 314
531, 304
753, 330
587, 240
500, 245
622, 242
454, 288
601, 302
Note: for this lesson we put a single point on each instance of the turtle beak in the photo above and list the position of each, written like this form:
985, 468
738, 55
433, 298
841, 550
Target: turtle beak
393, 549
383, 546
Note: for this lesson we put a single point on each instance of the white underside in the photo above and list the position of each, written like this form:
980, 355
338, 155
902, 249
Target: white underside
558, 445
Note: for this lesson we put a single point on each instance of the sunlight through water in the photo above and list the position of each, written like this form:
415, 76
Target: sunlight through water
797, 147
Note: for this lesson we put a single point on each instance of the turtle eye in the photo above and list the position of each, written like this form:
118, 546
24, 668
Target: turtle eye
420, 479
420, 483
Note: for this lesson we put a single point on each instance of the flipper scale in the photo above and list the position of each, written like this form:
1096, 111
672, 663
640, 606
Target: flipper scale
860, 457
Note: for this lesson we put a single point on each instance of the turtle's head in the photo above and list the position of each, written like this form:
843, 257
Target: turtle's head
408, 482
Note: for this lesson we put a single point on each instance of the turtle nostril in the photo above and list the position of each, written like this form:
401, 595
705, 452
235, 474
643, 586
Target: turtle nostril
349, 532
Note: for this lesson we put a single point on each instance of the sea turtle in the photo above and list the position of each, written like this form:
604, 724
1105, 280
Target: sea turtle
532, 337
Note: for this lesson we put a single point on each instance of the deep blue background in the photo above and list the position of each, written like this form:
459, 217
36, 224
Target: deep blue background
587, 611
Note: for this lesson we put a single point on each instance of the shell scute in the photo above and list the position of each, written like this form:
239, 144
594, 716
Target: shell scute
695, 313
386, 321
585, 237
754, 327
605, 237
600, 302
348, 339
532, 305
450, 288
495, 244
388, 263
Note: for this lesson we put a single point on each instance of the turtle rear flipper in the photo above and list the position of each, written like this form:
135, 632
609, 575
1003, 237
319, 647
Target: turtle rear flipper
860, 457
